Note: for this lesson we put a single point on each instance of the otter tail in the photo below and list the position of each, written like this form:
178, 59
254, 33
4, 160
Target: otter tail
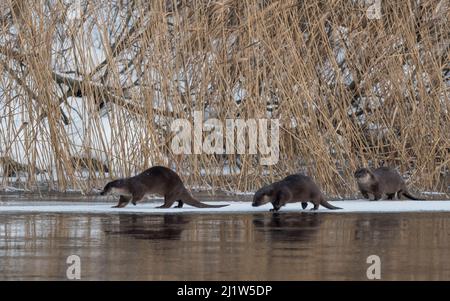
411, 197
190, 200
328, 205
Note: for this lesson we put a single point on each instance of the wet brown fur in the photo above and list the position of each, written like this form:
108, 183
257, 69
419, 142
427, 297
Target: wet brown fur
292, 189
155, 180
381, 181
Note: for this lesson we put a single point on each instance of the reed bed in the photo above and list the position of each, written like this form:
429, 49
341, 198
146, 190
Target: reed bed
89, 89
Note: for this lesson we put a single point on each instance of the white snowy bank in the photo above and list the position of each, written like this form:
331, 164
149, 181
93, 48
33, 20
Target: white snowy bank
234, 207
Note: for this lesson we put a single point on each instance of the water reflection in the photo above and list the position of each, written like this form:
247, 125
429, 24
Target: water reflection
166, 227
288, 227
263, 246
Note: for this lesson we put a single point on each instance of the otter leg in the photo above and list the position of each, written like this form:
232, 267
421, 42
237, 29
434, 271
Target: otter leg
390, 196
281, 199
180, 204
168, 202
316, 198
123, 201
316, 206
276, 206
137, 197
304, 205
376, 196
365, 194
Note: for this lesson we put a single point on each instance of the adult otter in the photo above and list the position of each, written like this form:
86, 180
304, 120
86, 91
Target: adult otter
157, 179
383, 180
293, 188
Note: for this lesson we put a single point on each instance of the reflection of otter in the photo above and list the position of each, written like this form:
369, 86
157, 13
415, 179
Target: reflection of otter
383, 180
166, 227
293, 188
288, 226
11, 168
155, 180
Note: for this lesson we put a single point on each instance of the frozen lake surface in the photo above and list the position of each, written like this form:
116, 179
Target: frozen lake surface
239, 242
149, 207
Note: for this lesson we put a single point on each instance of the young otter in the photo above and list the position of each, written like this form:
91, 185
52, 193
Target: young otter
293, 188
383, 180
157, 179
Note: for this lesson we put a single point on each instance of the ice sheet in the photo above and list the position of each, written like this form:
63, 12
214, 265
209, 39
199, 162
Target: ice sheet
234, 207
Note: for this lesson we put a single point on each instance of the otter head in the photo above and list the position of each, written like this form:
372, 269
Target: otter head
263, 196
117, 186
363, 175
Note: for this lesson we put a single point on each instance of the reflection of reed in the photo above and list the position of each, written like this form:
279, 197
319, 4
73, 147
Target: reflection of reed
35, 246
284, 246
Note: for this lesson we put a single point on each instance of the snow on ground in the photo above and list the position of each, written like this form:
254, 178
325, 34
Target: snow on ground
234, 207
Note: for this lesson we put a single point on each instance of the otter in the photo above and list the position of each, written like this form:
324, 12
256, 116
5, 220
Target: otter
293, 188
383, 180
158, 179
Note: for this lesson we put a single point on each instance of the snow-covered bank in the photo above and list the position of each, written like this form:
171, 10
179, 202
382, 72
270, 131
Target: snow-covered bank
234, 207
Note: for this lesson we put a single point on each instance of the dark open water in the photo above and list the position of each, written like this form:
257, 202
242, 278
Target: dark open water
257, 246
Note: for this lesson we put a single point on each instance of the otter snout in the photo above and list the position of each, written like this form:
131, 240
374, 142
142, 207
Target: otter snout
363, 176
260, 200
106, 190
